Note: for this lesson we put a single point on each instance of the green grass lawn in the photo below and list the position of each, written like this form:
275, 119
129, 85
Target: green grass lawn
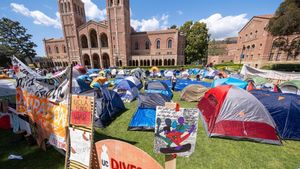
209, 153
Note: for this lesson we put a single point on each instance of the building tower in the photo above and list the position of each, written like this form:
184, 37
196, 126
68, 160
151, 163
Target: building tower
72, 16
119, 29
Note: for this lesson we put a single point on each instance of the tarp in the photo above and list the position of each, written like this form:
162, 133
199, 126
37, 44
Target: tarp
230, 81
108, 106
193, 93
269, 74
182, 83
229, 111
285, 110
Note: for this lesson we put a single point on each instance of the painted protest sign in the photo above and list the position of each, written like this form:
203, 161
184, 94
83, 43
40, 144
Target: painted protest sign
175, 131
45, 101
115, 154
81, 111
80, 146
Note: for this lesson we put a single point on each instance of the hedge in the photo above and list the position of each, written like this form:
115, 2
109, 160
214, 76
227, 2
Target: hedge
286, 67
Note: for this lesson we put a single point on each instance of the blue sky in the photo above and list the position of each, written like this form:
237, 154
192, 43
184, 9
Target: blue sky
223, 17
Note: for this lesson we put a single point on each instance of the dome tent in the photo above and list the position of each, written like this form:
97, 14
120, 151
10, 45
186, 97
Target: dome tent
126, 90
158, 87
193, 93
135, 81
228, 111
285, 110
292, 86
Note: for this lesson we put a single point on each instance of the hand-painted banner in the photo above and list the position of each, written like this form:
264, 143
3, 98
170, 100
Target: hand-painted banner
80, 146
176, 131
81, 111
45, 101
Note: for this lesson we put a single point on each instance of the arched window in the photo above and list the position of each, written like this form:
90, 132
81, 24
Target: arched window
65, 7
64, 48
170, 43
56, 49
173, 61
111, 3
147, 45
49, 50
136, 46
158, 44
104, 40
93, 37
118, 2
84, 41
61, 7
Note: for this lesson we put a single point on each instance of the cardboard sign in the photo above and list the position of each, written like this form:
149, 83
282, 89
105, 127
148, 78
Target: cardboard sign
114, 154
175, 131
80, 146
45, 101
81, 111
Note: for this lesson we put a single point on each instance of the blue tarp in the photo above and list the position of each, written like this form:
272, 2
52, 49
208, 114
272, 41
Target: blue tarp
108, 106
229, 81
182, 83
285, 110
91, 71
143, 119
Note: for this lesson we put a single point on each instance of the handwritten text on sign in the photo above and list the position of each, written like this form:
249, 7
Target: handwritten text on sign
81, 111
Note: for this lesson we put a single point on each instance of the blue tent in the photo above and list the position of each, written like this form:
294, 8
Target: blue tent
285, 110
230, 81
91, 71
144, 117
127, 90
182, 83
108, 106
81, 84
158, 87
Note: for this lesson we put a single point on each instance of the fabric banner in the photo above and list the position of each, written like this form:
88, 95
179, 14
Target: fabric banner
175, 131
45, 101
80, 146
269, 74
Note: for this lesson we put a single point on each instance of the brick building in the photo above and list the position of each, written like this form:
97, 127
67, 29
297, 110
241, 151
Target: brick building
111, 42
257, 47
222, 51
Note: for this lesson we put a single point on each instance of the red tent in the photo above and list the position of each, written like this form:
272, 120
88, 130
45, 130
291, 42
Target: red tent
228, 111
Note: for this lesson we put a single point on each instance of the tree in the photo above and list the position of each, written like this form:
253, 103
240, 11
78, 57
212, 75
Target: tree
197, 39
14, 41
173, 27
286, 20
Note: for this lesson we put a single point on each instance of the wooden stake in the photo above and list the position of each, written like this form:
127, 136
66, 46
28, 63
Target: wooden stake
170, 162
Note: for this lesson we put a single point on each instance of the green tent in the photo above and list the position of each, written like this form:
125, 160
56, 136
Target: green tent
258, 81
292, 86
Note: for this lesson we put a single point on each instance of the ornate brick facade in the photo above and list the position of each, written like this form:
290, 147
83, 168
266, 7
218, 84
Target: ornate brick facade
112, 42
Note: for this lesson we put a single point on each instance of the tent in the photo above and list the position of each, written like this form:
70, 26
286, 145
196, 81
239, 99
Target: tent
184, 74
168, 73
158, 87
81, 84
138, 73
144, 117
182, 83
135, 81
126, 90
228, 111
193, 93
285, 110
8, 90
258, 81
108, 106
230, 81
292, 86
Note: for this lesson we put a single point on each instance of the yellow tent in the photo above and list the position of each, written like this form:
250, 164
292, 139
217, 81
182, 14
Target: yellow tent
100, 80
154, 69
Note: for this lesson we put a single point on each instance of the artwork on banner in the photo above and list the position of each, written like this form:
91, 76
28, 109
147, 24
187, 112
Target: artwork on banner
81, 111
45, 101
80, 146
115, 154
176, 131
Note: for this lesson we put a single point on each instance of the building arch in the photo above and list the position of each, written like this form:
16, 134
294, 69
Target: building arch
56, 49
84, 41
136, 63
148, 62
156, 62
278, 46
160, 62
173, 62
130, 63
120, 63
153, 62
96, 61
105, 60
165, 62
295, 48
86, 60
145, 62
169, 62
104, 40
141, 63
93, 38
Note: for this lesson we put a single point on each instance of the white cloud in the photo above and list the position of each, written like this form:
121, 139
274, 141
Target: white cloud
179, 12
221, 27
39, 17
92, 11
155, 23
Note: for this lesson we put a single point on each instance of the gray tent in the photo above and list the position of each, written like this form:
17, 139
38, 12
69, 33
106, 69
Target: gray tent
193, 93
151, 100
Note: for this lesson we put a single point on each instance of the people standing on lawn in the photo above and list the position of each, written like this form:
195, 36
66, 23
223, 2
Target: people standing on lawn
173, 81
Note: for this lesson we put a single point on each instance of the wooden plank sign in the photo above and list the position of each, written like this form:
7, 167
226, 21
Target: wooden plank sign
114, 154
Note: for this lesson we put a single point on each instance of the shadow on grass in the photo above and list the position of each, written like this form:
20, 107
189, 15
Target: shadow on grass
100, 136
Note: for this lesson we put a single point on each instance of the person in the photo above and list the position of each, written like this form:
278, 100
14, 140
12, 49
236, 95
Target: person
173, 81
198, 77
